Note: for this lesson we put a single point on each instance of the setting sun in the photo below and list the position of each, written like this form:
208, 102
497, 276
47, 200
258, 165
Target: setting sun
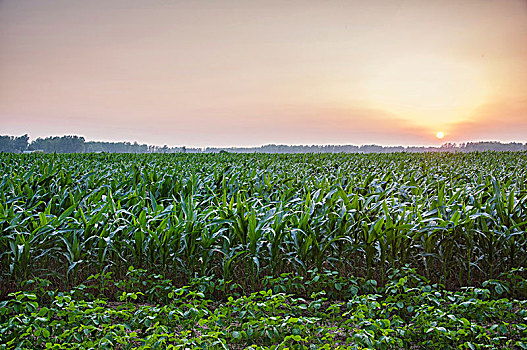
440, 134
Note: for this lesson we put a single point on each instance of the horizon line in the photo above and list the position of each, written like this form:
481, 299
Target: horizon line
456, 143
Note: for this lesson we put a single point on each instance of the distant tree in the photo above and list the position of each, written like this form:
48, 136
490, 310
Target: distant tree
64, 144
449, 146
13, 144
21, 143
6, 143
370, 149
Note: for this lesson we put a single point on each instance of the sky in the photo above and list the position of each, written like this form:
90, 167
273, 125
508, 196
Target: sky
248, 73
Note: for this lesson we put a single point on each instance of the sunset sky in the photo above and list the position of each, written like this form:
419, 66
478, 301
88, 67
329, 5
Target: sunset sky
247, 73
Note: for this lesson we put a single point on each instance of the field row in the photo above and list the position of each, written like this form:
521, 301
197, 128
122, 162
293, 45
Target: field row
407, 313
460, 219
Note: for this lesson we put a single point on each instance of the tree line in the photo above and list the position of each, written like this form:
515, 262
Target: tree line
77, 144
447, 147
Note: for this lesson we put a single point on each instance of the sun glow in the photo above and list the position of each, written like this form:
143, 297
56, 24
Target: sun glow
440, 134
415, 85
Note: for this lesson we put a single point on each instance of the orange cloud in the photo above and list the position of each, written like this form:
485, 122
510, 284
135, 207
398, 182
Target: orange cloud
506, 121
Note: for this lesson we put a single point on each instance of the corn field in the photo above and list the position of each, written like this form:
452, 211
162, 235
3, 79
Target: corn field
458, 219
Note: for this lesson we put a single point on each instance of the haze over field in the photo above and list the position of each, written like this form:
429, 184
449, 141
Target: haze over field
226, 73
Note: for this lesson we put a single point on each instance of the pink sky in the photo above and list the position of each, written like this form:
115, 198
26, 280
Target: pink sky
245, 73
